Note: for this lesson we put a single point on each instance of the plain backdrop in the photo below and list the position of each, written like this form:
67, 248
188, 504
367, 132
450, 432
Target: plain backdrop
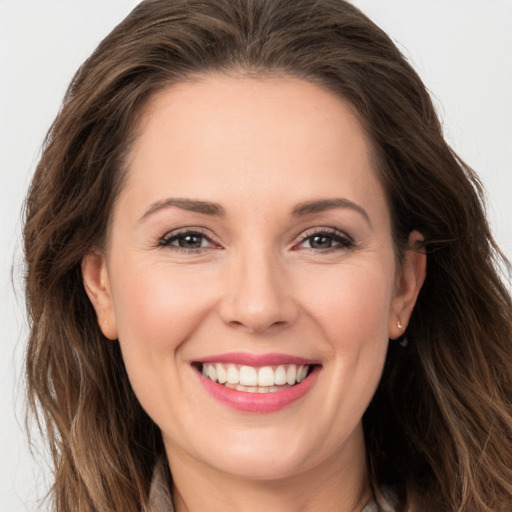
461, 48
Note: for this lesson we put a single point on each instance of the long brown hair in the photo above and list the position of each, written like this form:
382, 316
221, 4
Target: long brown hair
439, 429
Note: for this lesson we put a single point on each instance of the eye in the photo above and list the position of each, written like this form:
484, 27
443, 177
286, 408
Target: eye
187, 240
325, 240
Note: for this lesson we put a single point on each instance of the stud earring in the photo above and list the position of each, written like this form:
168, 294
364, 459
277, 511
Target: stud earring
399, 324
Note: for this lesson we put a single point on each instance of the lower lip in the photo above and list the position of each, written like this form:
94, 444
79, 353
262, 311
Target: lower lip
259, 402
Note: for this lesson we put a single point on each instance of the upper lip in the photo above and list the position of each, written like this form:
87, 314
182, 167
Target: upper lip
248, 359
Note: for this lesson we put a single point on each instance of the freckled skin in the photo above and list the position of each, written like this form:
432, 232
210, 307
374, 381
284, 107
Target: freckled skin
257, 284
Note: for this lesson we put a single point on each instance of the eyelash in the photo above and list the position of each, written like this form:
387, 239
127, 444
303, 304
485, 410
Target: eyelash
343, 241
169, 238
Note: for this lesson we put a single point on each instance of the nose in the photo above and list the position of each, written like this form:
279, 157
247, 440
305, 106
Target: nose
258, 295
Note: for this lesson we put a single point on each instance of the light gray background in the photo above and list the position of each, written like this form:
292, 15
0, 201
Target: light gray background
461, 48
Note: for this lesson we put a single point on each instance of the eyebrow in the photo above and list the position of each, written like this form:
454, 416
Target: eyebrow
191, 205
322, 205
215, 209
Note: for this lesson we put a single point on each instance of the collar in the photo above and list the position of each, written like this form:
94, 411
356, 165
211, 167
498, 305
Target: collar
159, 492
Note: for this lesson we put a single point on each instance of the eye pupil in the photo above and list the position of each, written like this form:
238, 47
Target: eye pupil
320, 242
190, 241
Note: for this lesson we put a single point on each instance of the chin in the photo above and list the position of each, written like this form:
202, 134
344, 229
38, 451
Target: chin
263, 465
269, 452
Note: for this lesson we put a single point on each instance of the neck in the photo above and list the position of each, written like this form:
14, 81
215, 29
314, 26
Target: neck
339, 484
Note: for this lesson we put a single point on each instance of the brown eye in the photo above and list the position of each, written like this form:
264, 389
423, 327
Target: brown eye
186, 240
326, 240
320, 242
191, 241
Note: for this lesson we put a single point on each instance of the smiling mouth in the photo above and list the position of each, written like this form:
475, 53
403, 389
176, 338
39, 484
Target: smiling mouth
253, 379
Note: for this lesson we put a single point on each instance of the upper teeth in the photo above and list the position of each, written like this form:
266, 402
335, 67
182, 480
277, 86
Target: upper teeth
252, 376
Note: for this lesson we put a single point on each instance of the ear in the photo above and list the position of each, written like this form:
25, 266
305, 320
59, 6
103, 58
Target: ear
409, 281
97, 286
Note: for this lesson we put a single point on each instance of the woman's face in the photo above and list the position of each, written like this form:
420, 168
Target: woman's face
252, 242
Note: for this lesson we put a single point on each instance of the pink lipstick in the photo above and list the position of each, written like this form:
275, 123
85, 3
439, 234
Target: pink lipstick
257, 383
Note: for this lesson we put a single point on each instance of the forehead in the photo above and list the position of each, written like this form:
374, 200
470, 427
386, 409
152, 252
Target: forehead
208, 104
224, 135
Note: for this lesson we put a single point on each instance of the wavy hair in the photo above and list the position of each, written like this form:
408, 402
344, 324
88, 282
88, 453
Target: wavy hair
439, 429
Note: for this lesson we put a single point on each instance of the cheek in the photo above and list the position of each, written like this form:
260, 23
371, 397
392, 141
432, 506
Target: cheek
352, 305
351, 311
157, 306
355, 323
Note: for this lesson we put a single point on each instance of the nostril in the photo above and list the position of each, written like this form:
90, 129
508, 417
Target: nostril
254, 326
257, 303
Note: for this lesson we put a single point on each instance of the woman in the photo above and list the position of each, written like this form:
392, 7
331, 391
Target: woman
230, 221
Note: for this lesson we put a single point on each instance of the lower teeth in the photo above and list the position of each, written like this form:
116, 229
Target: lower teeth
256, 389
